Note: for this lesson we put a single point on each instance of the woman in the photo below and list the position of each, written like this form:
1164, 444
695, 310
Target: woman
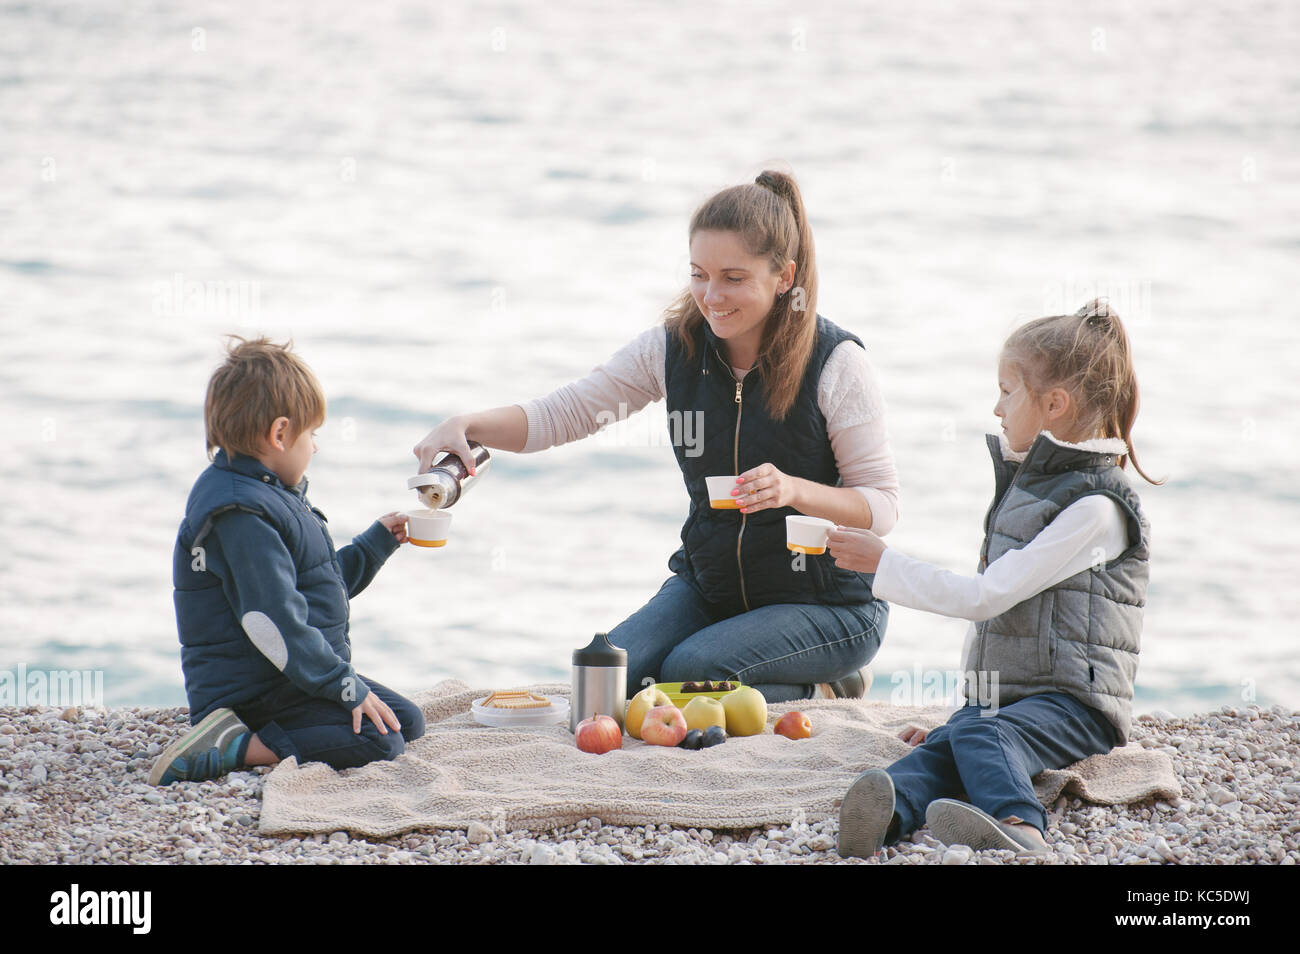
784, 399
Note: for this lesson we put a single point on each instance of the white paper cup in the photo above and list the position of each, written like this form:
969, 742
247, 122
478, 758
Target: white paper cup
428, 528
807, 534
720, 489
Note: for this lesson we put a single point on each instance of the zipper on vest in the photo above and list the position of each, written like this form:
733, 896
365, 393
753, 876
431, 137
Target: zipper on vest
740, 564
984, 554
347, 600
735, 462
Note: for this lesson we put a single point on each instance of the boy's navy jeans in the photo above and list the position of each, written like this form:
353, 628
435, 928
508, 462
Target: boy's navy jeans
290, 722
988, 760
783, 650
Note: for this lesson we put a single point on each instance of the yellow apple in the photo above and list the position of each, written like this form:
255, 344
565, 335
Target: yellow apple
648, 698
702, 712
746, 711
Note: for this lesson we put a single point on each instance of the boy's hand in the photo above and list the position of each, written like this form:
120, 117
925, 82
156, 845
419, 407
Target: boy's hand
379, 713
855, 549
396, 524
913, 734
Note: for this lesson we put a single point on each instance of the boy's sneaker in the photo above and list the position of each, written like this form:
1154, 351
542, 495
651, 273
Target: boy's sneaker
959, 823
865, 814
213, 748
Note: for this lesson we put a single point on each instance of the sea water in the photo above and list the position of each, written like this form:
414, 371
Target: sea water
500, 192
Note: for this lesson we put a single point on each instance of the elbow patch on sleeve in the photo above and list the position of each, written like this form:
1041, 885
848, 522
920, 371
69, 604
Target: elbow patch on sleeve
267, 638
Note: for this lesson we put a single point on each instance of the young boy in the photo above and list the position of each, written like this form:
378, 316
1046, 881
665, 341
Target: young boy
262, 596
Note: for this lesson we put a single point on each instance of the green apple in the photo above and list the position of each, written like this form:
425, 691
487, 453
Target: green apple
648, 698
746, 711
703, 711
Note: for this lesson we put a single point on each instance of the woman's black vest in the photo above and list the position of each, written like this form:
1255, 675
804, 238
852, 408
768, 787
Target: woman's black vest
739, 562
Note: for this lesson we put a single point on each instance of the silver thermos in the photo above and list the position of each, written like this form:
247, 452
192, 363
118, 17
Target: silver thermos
449, 479
599, 682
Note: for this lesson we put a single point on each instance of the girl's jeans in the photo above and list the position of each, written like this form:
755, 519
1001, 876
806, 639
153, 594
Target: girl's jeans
783, 650
988, 760
290, 722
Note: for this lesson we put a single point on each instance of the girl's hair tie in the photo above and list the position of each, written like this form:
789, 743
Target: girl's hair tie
1096, 314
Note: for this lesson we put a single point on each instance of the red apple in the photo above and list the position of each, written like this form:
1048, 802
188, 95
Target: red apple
663, 725
598, 735
793, 725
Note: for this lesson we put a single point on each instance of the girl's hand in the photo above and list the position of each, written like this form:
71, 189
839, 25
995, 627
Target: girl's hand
447, 436
855, 549
913, 734
396, 524
764, 487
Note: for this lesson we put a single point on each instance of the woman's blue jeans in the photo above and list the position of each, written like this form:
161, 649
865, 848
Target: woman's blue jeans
783, 650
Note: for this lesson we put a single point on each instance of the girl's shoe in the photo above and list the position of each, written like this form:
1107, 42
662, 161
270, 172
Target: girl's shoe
959, 823
213, 748
865, 814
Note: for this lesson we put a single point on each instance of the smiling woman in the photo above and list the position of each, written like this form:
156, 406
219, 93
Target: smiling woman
734, 291
789, 404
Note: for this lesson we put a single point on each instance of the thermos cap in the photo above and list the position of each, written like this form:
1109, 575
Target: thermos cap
600, 652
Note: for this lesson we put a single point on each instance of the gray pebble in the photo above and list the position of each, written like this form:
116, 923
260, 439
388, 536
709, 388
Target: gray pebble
542, 855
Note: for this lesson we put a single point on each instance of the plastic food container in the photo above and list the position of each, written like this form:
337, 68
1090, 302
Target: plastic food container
673, 690
557, 711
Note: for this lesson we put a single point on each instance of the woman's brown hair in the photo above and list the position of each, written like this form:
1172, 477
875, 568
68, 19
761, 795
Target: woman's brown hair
1087, 354
769, 217
259, 382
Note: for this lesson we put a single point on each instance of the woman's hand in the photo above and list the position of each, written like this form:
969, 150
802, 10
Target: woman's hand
447, 436
764, 487
396, 525
855, 549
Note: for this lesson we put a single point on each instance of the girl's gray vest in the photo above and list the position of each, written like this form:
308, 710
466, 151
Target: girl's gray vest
1080, 636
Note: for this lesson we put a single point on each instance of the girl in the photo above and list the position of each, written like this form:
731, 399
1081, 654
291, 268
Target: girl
787, 401
1057, 600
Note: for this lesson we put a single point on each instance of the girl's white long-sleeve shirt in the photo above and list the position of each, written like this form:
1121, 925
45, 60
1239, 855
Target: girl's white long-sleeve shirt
1088, 531
847, 395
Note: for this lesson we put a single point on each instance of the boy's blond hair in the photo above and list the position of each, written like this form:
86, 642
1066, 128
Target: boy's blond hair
259, 381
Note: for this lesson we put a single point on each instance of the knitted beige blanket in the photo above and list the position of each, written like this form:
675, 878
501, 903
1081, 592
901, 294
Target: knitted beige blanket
460, 772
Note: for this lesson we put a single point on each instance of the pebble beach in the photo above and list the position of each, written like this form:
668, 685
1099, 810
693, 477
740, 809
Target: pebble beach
73, 790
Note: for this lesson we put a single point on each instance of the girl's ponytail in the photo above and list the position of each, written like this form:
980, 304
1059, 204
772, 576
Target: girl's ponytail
1087, 353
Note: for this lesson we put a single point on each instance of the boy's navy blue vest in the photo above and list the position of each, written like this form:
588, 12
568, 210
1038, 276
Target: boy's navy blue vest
222, 666
739, 561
